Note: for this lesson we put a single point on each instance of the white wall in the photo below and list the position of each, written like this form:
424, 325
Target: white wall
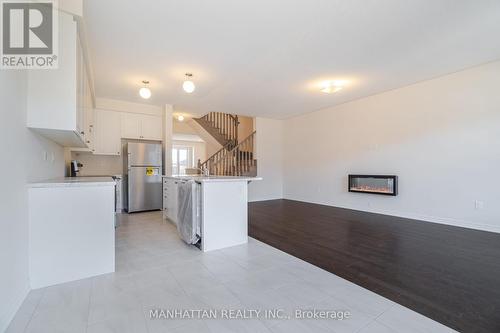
124, 106
246, 127
212, 146
441, 137
22, 159
269, 154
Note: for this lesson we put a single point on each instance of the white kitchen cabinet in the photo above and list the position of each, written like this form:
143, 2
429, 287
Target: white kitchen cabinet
107, 133
170, 199
141, 126
151, 127
131, 125
56, 97
71, 230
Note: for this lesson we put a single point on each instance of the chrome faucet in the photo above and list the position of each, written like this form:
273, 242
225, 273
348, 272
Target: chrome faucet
204, 171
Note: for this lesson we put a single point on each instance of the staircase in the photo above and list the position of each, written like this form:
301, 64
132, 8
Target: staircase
235, 158
223, 127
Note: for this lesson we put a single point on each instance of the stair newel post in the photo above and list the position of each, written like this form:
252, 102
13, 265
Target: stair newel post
237, 159
252, 150
225, 167
246, 157
247, 146
234, 159
236, 129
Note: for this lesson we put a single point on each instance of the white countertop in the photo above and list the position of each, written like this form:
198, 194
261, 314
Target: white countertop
74, 182
208, 179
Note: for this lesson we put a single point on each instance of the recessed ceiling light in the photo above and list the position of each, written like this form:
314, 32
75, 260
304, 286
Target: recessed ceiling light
188, 85
180, 118
331, 87
144, 92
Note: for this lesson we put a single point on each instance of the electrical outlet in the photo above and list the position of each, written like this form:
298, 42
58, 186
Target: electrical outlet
478, 204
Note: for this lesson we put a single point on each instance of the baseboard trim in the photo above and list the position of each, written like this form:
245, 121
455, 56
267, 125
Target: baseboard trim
421, 217
264, 199
16, 302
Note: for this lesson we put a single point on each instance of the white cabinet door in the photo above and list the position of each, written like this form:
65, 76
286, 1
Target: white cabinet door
88, 107
172, 200
108, 133
80, 91
131, 125
54, 97
151, 127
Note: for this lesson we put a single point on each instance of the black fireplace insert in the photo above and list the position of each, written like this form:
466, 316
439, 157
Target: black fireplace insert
375, 184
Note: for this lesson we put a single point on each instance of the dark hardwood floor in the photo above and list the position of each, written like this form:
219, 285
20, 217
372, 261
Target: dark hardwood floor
446, 273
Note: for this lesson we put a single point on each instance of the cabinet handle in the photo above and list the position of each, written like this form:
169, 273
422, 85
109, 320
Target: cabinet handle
88, 141
82, 132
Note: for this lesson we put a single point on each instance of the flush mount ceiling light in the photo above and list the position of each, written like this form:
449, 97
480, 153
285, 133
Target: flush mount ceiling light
180, 118
188, 85
330, 87
144, 92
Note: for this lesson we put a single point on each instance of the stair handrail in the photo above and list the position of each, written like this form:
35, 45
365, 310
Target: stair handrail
211, 160
237, 161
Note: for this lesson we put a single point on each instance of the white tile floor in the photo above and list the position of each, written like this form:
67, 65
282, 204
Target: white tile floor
154, 269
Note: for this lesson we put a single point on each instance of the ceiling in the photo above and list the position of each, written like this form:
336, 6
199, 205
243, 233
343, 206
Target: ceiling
267, 57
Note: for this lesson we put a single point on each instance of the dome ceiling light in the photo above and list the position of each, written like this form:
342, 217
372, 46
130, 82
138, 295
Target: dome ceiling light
188, 85
145, 92
330, 87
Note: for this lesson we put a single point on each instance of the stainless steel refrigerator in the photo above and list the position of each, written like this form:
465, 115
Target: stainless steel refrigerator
143, 169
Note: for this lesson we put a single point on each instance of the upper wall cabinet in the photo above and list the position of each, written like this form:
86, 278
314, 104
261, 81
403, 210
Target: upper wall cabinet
131, 125
151, 127
107, 133
141, 126
60, 105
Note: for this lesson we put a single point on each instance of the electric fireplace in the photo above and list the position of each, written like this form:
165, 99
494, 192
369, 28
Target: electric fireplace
375, 184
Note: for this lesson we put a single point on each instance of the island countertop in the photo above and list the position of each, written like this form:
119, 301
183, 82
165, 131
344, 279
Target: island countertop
210, 179
73, 182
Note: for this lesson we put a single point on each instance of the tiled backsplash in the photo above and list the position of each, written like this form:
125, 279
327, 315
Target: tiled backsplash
98, 164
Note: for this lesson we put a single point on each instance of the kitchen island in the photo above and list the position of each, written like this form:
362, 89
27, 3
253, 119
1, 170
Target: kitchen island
71, 229
220, 208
